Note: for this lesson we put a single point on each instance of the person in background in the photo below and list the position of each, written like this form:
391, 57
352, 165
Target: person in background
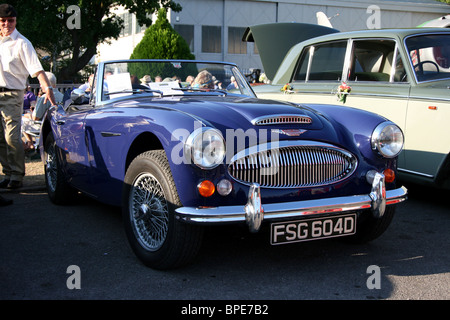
29, 100
43, 104
233, 84
86, 87
189, 80
18, 60
145, 80
204, 80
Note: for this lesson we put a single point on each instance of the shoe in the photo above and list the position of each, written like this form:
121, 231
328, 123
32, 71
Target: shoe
13, 184
5, 202
4, 183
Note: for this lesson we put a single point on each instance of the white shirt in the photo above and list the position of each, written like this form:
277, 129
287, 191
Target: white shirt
18, 59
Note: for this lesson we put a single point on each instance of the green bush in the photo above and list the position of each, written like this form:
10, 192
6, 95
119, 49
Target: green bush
160, 41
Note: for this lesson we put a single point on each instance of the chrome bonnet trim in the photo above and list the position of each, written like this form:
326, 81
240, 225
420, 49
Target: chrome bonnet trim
285, 210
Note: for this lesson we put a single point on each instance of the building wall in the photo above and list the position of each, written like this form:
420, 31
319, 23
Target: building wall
346, 16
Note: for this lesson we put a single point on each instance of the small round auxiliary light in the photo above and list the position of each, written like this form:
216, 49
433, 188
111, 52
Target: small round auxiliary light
389, 175
224, 187
206, 188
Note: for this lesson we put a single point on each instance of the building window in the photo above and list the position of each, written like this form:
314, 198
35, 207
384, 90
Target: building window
140, 28
127, 24
235, 43
211, 39
186, 31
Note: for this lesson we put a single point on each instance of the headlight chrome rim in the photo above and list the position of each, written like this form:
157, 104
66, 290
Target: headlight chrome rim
387, 139
205, 147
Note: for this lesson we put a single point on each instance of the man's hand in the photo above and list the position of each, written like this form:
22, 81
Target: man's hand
49, 96
46, 87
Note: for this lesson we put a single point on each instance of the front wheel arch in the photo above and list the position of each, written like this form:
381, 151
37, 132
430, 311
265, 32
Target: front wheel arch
149, 200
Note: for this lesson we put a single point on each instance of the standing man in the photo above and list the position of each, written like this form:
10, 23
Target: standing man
18, 59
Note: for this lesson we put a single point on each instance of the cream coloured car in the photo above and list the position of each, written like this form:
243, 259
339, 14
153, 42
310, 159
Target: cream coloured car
401, 74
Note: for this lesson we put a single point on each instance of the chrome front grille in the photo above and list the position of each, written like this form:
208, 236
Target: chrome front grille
304, 164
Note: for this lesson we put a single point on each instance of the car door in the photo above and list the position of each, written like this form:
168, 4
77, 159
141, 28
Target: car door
70, 127
428, 130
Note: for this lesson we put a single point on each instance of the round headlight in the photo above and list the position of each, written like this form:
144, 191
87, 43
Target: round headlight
387, 139
205, 147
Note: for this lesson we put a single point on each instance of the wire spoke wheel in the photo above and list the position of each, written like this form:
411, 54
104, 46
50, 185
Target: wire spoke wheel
150, 213
150, 198
58, 188
51, 168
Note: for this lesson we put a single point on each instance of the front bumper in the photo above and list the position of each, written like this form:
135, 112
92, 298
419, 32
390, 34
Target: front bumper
253, 213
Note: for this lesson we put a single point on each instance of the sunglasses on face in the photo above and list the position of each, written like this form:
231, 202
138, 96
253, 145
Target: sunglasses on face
7, 20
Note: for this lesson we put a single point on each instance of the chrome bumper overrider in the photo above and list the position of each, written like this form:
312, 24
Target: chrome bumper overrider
254, 212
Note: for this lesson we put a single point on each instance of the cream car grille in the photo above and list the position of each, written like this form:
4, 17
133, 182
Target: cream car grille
287, 166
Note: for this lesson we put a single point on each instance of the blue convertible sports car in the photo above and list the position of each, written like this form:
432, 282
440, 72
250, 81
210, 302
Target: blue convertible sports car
198, 148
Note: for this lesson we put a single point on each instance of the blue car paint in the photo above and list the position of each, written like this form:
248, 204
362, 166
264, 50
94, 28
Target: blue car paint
96, 164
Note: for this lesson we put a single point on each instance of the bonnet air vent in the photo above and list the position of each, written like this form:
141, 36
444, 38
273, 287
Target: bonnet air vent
282, 119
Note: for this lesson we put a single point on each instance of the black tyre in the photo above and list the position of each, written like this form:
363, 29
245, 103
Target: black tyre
149, 199
369, 228
58, 189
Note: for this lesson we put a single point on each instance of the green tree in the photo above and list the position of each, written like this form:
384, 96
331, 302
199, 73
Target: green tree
45, 24
161, 41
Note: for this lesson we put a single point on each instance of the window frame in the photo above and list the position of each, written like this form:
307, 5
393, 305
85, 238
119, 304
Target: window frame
348, 60
312, 49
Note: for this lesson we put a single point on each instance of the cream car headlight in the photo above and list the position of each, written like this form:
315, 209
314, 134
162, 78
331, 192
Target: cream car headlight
387, 139
205, 147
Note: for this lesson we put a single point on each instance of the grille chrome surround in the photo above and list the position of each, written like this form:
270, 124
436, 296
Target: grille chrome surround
282, 119
292, 164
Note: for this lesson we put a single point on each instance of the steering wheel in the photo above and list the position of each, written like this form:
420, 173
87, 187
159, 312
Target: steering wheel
420, 65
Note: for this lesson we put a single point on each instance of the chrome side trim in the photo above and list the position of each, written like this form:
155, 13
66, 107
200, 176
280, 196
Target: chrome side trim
286, 210
416, 173
110, 134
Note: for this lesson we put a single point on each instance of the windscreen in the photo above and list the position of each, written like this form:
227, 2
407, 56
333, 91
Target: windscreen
164, 78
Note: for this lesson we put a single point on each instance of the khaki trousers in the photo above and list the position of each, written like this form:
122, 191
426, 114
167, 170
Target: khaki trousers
12, 154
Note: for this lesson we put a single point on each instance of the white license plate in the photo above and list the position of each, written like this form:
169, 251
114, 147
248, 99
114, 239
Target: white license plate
312, 229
